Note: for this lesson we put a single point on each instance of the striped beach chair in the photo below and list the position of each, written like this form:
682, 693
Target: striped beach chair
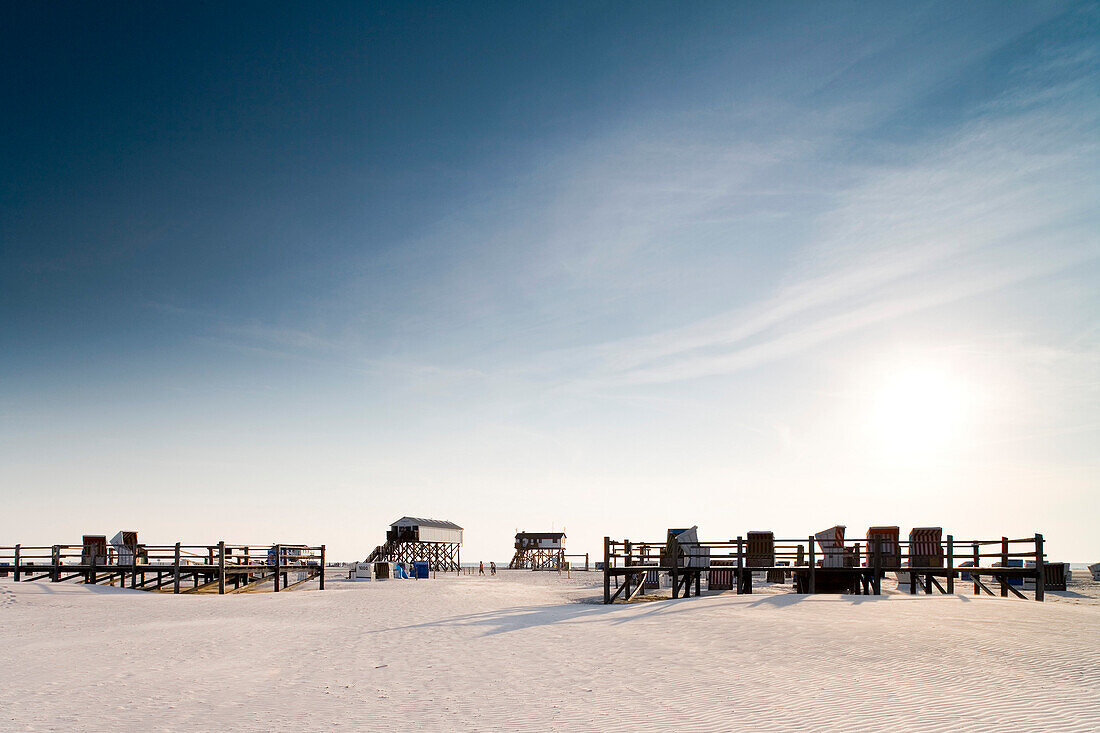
925, 547
760, 550
720, 579
652, 580
831, 541
889, 546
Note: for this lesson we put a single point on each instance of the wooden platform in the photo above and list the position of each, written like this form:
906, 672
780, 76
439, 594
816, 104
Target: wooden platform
221, 568
860, 571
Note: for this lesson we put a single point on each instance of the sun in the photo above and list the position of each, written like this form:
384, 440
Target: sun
919, 410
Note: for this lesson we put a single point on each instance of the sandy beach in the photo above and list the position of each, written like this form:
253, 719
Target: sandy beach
527, 650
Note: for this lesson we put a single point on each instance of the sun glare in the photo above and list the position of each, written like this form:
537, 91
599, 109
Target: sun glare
919, 410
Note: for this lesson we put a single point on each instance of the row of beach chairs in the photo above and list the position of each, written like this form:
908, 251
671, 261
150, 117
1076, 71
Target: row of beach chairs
925, 550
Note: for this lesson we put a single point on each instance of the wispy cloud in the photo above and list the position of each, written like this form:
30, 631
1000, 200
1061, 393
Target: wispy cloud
994, 205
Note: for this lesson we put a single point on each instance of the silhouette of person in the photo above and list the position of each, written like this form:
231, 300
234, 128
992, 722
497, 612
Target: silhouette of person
481, 568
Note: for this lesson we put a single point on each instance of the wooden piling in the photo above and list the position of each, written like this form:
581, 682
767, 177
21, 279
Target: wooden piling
628, 550
876, 562
607, 569
740, 566
813, 566
322, 582
1040, 568
221, 567
950, 564
278, 558
974, 576
17, 562
176, 570
1004, 564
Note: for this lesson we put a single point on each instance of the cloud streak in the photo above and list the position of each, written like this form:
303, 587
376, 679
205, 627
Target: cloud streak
981, 211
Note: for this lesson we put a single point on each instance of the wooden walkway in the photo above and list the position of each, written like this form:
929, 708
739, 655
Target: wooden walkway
220, 568
851, 567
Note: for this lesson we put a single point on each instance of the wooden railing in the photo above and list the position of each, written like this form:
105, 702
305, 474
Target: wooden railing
860, 560
210, 563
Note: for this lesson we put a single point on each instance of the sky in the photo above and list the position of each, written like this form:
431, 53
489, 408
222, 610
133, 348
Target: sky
284, 272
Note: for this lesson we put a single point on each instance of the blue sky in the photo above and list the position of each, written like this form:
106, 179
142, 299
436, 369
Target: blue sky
612, 267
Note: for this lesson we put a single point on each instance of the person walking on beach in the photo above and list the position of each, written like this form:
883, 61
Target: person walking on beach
481, 568
492, 568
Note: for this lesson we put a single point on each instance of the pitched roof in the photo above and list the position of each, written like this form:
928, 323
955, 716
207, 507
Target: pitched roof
541, 535
420, 522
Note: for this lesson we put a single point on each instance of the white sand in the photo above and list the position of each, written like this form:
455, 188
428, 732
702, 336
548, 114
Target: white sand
519, 652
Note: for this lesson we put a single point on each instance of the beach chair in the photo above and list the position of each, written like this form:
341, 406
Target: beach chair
889, 547
127, 549
652, 580
1056, 576
835, 556
683, 551
720, 579
831, 541
925, 551
94, 550
779, 574
760, 551
925, 547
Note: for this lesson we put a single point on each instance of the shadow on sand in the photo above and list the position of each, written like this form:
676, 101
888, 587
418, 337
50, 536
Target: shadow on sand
515, 618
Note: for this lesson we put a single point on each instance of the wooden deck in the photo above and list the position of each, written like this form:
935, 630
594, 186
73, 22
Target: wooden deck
852, 567
221, 568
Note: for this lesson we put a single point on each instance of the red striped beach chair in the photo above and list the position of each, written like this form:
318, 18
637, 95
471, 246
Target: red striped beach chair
832, 546
925, 547
889, 547
720, 579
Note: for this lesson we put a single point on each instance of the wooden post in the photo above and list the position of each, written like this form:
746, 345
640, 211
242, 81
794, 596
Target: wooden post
950, 564
92, 575
740, 566
913, 580
1040, 569
55, 559
176, 570
813, 567
278, 556
628, 550
221, 567
607, 569
1004, 564
17, 561
876, 562
322, 568
977, 561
